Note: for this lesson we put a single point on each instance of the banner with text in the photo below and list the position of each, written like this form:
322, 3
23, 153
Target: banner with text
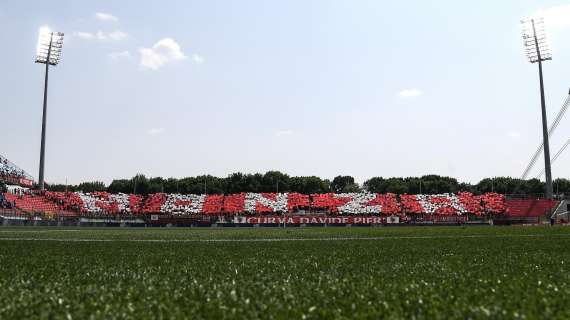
298, 220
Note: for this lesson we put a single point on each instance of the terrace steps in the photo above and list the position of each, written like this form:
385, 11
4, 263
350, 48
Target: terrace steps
31, 203
530, 207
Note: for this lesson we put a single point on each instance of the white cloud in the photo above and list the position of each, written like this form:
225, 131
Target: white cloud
102, 16
155, 131
198, 59
83, 35
558, 16
514, 135
410, 93
115, 35
283, 133
101, 35
119, 55
163, 52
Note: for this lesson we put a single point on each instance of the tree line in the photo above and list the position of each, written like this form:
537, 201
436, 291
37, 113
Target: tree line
275, 181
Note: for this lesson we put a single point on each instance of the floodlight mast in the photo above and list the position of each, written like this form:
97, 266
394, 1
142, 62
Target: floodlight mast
54, 43
537, 51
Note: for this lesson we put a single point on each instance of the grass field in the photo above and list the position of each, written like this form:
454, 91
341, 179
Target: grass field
313, 273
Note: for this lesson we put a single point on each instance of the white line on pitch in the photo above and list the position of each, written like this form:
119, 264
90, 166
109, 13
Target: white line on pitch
38, 231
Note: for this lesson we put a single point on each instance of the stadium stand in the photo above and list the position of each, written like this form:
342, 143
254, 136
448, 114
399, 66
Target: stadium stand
213, 204
530, 207
348, 204
178, 204
10, 173
234, 203
4, 203
103, 202
9, 170
69, 201
32, 203
154, 203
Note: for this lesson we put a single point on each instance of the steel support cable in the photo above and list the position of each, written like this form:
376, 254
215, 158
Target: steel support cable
558, 154
553, 127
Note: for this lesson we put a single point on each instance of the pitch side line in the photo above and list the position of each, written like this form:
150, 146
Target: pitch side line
291, 239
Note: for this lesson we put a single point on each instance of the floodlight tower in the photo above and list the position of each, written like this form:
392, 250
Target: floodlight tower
48, 52
537, 51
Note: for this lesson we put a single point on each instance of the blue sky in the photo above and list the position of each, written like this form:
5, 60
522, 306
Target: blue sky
364, 88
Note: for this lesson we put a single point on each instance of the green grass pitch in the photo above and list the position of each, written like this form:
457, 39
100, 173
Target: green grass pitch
309, 273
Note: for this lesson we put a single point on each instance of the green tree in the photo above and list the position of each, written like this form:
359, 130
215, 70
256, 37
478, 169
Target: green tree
396, 185
534, 186
185, 185
61, 187
466, 187
561, 185
196, 185
171, 185
237, 183
156, 185
309, 185
344, 184
208, 183
434, 184
254, 182
509, 185
140, 184
120, 186
375, 185
214, 185
95, 186
273, 181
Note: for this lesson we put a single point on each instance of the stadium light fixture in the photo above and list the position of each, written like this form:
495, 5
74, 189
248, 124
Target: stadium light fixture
538, 51
48, 52
49, 46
